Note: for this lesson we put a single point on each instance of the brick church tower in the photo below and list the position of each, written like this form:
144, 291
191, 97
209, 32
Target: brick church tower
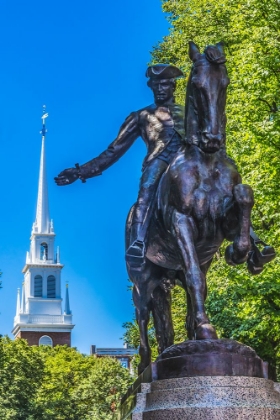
39, 316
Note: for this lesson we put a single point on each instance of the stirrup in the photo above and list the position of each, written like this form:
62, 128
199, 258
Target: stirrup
135, 254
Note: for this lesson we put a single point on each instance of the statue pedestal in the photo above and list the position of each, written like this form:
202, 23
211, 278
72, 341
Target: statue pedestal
203, 380
206, 398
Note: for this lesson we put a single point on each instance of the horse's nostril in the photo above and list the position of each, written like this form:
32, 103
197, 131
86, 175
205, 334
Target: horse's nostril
218, 137
213, 137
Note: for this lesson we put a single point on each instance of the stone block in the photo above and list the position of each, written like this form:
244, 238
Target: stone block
205, 398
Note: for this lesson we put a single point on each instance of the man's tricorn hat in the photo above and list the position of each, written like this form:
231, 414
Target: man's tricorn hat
163, 71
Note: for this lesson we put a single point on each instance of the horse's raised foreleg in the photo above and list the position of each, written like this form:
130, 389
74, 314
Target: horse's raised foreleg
194, 277
161, 309
237, 252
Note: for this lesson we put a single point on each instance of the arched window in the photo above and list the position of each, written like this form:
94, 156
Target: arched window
44, 251
38, 286
51, 287
45, 340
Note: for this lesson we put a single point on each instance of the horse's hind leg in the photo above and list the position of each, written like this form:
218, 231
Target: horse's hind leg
190, 322
237, 252
195, 281
142, 302
161, 309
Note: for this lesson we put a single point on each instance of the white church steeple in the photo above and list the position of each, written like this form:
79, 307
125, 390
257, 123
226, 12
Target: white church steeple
40, 318
42, 222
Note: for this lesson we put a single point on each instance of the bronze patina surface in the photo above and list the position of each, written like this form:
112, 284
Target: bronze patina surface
191, 199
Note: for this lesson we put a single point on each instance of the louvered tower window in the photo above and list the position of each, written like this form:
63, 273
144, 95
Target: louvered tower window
51, 287
38, 286
45, 340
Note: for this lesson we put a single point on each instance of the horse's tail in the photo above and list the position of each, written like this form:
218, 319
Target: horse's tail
128, 227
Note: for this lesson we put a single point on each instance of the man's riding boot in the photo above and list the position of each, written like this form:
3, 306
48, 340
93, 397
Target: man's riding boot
135, 253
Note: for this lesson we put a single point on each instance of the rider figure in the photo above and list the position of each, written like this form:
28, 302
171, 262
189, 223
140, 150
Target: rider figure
161, 126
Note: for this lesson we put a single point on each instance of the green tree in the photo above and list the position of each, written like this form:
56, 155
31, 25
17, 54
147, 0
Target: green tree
98, 396
76, 386
64, 369
21, 375
241, 306
58, 383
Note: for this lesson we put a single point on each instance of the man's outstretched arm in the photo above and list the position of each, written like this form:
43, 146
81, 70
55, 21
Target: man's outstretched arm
128, 133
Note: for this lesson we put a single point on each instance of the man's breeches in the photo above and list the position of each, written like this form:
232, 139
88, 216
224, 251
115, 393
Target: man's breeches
148, 187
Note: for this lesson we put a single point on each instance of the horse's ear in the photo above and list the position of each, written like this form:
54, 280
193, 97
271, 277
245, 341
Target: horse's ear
193, 51
220, 46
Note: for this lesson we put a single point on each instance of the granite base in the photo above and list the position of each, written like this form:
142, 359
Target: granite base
203, 398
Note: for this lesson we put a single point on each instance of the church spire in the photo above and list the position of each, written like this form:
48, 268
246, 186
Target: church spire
42, 223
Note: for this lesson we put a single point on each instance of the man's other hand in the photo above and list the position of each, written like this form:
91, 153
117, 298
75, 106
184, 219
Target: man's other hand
66, 177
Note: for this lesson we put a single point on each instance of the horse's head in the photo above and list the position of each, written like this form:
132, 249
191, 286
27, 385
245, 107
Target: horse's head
206, 98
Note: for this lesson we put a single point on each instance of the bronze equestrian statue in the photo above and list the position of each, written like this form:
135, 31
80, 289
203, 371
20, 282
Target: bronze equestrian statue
200, 200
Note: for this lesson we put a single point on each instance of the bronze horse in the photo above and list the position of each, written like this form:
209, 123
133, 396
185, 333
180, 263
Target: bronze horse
200, 202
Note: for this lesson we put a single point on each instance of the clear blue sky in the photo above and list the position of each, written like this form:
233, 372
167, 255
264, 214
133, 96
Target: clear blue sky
86, 61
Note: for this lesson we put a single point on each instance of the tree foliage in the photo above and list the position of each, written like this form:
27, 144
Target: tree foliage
21, 374
98, 396
58, 383
241, 306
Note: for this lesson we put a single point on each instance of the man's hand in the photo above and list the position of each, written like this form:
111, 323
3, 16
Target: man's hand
66, 177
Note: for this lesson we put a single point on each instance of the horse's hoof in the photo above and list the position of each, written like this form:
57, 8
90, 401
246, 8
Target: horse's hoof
230, 259
205, 331
254, 267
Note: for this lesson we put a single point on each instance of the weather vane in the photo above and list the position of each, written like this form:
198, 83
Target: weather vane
44, 116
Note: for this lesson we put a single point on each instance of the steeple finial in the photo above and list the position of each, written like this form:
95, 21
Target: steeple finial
42, 223
44, 116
